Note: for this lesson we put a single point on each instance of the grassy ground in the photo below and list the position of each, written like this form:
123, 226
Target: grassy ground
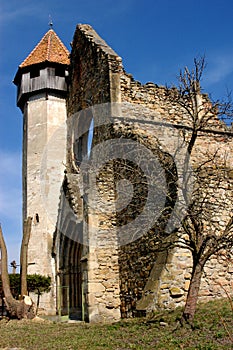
213, 329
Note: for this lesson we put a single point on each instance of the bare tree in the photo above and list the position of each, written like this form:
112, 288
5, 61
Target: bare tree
24, 255
207, 227
23, 308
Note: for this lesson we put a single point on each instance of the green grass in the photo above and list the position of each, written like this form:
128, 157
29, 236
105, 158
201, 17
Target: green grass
213, 330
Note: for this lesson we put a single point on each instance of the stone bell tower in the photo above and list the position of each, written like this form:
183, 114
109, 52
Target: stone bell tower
41, 95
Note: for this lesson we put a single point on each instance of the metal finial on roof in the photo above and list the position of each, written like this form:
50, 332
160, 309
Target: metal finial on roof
50, 22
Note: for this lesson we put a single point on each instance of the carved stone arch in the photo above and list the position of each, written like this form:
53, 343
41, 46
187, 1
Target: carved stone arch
136, 259
67, 250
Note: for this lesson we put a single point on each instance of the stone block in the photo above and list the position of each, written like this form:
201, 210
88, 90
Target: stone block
95, 287
176, 292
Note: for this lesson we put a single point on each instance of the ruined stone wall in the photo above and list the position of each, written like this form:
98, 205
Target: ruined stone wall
95, 69
217, 276
123, 262
150, 279
159, 99
94, 80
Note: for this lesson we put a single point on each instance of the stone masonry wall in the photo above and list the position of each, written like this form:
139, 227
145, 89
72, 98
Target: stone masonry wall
150, 279
124, 265
44, 151
95, 80
95, 71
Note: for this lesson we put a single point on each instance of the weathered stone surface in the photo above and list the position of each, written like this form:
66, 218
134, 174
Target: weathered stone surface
176, 292
114, 269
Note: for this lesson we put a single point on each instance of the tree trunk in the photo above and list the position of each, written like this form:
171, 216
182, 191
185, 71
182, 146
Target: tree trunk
24, 255
4, 273
19, 309
38, 300
192, 297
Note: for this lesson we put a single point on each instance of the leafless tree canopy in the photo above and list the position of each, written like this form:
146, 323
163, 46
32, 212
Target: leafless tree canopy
207, 227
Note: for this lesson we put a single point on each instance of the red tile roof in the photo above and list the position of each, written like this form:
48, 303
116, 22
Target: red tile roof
49, 49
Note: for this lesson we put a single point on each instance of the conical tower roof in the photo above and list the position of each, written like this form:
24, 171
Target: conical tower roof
49, 49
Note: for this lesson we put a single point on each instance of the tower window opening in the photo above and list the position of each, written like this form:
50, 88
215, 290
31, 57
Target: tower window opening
37, 218
60, 71
34, 73
51, 71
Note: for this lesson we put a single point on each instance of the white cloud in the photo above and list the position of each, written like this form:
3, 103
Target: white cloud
13, 10
10, 163
10, 201
118, 8
221, 66
10, 185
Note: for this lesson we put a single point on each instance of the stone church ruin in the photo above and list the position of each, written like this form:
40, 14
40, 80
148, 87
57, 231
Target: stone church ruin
102, 157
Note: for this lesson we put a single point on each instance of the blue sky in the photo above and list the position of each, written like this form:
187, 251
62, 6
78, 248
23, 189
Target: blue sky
155, 38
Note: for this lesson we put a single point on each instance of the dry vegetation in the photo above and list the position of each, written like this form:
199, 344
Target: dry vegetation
212, 329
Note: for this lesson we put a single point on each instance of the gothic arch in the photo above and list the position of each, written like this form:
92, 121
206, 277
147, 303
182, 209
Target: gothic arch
67, 251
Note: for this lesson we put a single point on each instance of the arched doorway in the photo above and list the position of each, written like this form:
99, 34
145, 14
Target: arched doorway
67, 251
70, 278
